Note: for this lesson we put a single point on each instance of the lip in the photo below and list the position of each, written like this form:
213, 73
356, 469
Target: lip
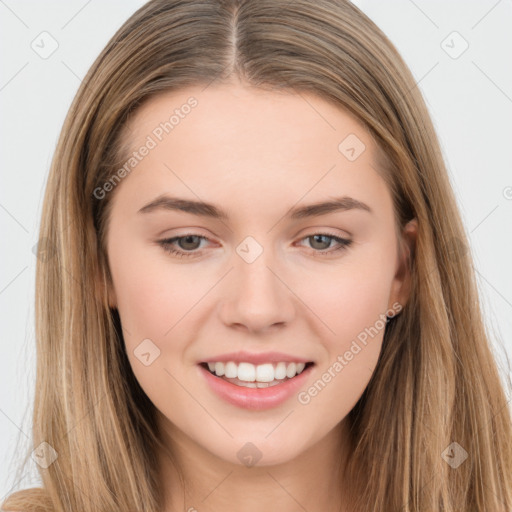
255, 398
263, 357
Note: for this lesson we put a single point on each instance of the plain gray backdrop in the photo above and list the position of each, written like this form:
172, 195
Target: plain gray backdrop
460, 53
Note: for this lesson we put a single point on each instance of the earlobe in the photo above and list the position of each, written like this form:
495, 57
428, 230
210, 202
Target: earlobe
105, 287
112, 301
111, 294
402, 281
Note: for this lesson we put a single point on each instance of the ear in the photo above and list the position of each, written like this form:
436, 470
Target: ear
104, 285
111, 296
401, 285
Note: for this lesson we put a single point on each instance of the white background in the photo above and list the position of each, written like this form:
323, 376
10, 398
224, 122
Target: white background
470, 100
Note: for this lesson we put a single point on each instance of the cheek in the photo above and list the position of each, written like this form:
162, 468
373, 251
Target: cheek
350, 299
152, 293
158, 301
154, 299
355, 311
354, 308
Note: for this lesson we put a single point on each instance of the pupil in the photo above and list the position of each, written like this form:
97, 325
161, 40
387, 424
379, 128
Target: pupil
315, 237
187, 240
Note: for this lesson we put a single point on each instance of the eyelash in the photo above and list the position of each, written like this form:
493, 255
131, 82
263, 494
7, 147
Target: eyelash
167, 245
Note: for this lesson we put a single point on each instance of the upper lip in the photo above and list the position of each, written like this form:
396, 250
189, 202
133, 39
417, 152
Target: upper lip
256, 358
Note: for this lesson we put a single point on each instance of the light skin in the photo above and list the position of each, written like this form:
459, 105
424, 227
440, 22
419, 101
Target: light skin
255, 154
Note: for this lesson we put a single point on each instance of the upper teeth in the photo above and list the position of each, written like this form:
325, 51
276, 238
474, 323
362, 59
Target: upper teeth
262, 373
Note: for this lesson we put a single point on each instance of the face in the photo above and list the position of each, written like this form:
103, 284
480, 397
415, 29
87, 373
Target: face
313, 285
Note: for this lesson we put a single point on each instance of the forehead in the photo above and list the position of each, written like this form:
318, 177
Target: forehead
231, 113
211, 141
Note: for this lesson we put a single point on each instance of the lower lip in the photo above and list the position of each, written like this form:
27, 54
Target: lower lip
255, 398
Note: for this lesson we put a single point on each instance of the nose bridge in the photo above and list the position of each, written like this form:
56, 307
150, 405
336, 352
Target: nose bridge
258, 298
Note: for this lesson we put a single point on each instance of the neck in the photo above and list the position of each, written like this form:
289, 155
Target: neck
313, 480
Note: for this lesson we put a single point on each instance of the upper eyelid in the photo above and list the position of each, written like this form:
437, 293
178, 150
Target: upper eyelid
317, 232
171, 240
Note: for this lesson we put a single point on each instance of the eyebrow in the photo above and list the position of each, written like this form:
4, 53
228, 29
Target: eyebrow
203, 209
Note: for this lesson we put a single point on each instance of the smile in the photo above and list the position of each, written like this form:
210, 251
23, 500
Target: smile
260, 376
255, 387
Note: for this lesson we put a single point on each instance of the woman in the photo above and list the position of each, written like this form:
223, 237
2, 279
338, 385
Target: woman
321, 344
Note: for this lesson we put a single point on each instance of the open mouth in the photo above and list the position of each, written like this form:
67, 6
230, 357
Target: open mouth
254, 383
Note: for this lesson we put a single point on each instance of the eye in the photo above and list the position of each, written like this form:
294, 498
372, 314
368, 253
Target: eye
320, 240
190, 244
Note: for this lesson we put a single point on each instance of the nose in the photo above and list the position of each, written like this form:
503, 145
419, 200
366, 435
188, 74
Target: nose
258, 297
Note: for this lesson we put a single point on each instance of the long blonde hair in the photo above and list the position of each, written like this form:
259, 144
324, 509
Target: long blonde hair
436, 382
